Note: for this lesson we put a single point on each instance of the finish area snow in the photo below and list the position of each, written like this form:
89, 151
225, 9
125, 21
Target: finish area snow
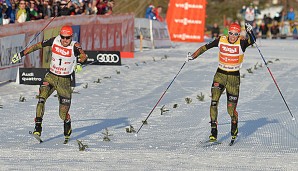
113, 98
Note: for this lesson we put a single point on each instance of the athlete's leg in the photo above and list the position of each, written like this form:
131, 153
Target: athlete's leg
217, 88
233, 87
64, 92
45, 91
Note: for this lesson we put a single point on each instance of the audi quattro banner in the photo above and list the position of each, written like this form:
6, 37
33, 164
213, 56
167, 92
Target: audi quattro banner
35, 76
103, 57
186, 20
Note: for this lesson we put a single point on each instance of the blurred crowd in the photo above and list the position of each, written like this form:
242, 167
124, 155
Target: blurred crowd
19, 11
281, 25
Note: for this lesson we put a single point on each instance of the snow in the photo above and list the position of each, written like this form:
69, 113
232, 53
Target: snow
267, 138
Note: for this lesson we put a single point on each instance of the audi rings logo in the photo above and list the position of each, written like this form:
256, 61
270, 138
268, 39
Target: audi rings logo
111, 58
104, 57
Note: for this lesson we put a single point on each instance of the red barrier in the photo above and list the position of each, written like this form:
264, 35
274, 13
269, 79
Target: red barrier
113, 32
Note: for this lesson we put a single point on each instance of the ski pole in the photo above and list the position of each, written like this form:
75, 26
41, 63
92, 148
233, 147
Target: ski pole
160, 99
293, 118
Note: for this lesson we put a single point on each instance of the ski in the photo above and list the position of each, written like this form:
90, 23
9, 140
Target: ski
209, 143
36, 137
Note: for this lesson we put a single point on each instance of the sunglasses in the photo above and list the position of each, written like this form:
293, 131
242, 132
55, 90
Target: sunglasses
233, 34
65, 37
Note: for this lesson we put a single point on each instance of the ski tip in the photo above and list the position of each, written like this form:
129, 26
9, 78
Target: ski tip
232, 143
293, 119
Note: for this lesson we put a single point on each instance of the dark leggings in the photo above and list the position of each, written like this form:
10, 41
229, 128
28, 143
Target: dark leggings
231, 82
63, 87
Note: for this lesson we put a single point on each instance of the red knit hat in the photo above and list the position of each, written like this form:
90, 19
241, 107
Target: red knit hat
235, 27
66, 31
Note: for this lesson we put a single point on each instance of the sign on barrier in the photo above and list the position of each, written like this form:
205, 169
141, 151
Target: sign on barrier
103, 57
35, 76
186, 20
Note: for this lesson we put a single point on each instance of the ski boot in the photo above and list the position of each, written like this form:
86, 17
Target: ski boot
234, 129
67, 129
213, 136
38, 126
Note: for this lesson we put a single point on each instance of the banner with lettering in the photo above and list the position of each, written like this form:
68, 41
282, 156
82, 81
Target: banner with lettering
186, 20
8, 47
35, 76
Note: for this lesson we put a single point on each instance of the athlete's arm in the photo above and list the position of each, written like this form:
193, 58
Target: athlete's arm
205, 47
247, 42
37, 46
79, 52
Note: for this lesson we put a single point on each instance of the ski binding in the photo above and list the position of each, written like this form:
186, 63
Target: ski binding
36, 137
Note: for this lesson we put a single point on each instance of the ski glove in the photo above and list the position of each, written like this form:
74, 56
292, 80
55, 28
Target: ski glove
189, 57
16, 57
248, 27
78, 68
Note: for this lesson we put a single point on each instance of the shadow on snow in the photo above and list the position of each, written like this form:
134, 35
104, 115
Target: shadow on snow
95, 128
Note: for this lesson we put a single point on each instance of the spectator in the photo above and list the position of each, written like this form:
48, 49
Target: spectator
290, 15
274, 30
263, 30
56, 8
88, 8
1, 16
215, 31
22, 14
285, 29
109, 8
267, 19
277, 16
255, 29
13, 12
149, 13
5, 19
39, 8
64, 8
101, 6
47, 9
157, 12
77, 8
249, 13
33, 14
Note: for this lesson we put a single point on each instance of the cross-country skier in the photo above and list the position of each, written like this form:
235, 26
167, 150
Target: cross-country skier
227, 76
67, 56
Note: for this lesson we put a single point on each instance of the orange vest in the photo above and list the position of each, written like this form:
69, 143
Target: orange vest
230, 55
